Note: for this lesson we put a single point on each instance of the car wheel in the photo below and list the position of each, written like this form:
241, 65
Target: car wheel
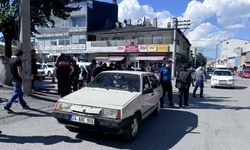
49, 74
157, 109
212, 86
72, 129
133, 128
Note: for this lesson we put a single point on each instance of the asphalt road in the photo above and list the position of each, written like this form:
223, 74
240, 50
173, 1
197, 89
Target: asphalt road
217, 122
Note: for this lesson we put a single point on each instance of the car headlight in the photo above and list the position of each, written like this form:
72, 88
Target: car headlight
61, 106
110, 113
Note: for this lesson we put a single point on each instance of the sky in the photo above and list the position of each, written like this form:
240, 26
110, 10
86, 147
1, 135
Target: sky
212, 21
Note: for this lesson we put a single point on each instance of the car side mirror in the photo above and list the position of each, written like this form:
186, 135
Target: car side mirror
147, 90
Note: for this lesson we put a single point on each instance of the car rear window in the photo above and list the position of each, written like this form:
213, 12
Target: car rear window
222, 73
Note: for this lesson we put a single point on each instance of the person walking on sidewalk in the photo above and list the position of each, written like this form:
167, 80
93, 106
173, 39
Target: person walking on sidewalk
165, 80
199, 77
183, 82
16, 72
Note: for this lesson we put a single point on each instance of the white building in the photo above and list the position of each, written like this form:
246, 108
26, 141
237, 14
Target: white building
232, 52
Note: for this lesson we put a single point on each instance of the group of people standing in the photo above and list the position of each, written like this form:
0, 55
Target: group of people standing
184, 79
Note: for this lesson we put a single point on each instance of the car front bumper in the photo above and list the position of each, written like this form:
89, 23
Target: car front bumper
101, 124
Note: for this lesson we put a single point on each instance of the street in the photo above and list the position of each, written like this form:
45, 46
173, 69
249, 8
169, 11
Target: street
217, 122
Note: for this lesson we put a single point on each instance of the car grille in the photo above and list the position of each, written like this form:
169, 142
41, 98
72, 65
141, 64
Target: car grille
222, 82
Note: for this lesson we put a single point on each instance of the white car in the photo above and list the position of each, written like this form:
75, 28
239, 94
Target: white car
222, 78
48, 68
114, 102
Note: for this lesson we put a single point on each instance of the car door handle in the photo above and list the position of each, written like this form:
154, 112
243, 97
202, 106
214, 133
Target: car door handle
152, 94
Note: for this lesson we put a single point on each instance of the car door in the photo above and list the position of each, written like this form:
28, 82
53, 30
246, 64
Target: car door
157, 90
147, 96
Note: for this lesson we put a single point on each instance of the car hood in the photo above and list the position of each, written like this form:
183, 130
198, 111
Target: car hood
222, 77
99, 97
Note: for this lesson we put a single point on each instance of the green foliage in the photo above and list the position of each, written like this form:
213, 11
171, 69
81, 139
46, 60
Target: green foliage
40, 13
200, 60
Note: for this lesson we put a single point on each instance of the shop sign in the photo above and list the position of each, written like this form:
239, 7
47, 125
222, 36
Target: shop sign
152, 48
143, 48
121, 48
132, 48
162, 48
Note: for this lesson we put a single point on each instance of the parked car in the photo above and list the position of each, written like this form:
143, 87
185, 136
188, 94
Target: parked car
48, 68
245, 74
114, 102
40, 71
222, 78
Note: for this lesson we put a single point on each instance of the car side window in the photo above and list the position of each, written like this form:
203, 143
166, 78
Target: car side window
145, 82
153, 81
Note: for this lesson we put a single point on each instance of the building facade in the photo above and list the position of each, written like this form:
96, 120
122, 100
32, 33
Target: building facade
70, 36
138, 44
233, 53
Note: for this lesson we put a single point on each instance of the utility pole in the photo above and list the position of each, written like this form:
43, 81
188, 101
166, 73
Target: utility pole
24, 6
175, 21
178, 24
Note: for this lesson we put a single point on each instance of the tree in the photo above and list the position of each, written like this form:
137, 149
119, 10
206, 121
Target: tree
41, 12
200, 60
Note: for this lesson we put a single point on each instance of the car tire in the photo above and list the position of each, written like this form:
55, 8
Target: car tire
72, 129
133, 128
157, 109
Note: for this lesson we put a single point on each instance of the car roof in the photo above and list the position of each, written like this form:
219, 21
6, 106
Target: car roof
129, 72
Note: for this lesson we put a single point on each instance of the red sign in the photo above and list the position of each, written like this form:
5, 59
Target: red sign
132, 48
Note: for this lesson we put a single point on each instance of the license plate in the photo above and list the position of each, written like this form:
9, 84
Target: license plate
81, 119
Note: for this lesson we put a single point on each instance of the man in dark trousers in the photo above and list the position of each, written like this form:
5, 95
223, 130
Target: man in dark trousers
75, 75
33, 68
165, 80
183, 82
199, 77
63, 73
17, 81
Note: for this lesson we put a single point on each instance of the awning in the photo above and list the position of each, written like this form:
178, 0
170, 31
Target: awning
149, 57
116, 58
110, 58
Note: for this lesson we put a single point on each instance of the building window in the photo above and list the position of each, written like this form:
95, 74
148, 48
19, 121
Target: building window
53, 42
78, 39
157, 40
64, 24
140, 40
63, 41
79, 21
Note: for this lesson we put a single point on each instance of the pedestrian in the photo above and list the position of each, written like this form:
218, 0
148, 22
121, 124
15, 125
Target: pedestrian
183, 82
199, 78
98, 69
90, 70
33, 68
75, 75
16, 73
165, 80
63, 73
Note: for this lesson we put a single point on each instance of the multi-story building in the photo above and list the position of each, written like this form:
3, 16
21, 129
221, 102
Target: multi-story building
69, 36
233, 53
138, 44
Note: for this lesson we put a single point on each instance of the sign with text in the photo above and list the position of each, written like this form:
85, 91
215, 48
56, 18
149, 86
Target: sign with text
132, 49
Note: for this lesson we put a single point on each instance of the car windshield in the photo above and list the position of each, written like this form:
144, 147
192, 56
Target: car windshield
223, 73
39, 66
117, 81
50, 66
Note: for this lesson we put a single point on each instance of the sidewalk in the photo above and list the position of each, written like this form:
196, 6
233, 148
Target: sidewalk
41, 102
